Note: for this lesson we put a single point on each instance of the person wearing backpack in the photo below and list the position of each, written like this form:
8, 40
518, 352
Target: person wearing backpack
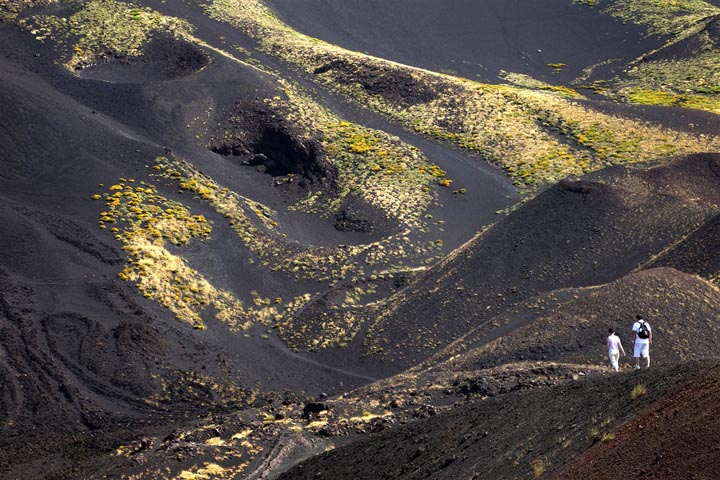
642, 337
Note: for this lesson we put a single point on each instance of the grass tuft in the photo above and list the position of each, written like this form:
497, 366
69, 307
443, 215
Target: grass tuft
638, 391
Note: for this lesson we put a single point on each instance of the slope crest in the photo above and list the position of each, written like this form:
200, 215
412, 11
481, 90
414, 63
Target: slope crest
697, 254
681, 308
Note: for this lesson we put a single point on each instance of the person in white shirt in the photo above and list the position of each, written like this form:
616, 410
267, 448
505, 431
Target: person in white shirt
614, 349
642, 337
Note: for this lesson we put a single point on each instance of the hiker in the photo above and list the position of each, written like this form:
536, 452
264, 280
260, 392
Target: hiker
614, 349
642, 337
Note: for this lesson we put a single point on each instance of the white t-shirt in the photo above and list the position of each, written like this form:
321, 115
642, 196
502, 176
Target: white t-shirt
636, 328
613, 343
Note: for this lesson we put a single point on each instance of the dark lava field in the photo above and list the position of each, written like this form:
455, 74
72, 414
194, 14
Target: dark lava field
294, 239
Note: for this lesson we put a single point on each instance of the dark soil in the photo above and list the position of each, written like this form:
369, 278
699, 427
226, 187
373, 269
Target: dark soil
533, 434
357, 215
471, 39
676, 437
399, 87
164, 58
696, 254
88, 365
263, 137
577, 233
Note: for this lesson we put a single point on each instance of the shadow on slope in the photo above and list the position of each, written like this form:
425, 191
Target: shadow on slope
265, 137
697, 254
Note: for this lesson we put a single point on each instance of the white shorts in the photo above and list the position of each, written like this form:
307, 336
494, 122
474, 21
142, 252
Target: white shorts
642, 350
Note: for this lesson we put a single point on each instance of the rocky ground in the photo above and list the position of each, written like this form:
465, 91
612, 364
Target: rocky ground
229, 250
590, 425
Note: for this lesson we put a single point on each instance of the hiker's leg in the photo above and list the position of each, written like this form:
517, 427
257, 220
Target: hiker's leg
646, 354
636, 354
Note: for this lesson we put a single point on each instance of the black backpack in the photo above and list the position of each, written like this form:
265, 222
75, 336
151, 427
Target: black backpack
643, 331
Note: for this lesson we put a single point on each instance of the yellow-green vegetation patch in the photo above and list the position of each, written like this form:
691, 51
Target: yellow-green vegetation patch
369, 416
273, 251
257, 227
524, 131
671, 99
638, 391
557, 66
219, 457
538, 466
99, 26
689, 79
689, 82
526, 81
145, 222
231, 454
214, 471
698, 75
662, 17
610, 139
379, 168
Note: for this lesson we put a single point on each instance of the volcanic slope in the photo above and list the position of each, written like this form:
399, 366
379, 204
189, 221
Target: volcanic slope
697, 253
88, 361
535, 434
125, 224
550, 338
53, 169
518, 351
196, 109
178, 206
578, 233
473, 40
